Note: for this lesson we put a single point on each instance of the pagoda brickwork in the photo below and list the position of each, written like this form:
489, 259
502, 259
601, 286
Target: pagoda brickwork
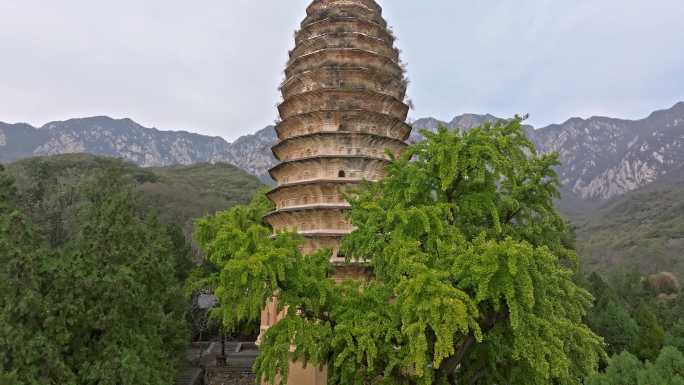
343, 110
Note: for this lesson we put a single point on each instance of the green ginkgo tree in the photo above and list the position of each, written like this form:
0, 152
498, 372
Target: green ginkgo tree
469, 274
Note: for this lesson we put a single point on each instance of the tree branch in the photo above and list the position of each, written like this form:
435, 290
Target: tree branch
512, 215
451, 365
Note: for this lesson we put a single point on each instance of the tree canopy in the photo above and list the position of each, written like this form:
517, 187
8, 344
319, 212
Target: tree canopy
470, 274
634, 318
626, 369
106, 308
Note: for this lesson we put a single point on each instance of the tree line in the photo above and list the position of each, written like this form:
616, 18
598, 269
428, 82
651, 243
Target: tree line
641, 320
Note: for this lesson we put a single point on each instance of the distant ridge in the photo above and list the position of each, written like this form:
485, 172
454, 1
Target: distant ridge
126, 139
642, 230
602, 157
177, 194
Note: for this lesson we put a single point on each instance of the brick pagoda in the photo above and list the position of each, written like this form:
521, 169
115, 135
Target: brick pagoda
343, 108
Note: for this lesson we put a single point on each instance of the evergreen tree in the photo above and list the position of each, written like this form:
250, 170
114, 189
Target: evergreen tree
670, 312
675, 335
630, 288
651, 335
610, 317
471, 277
623, 369
600, 289
613, 322
28, 352
668, 369
106, 309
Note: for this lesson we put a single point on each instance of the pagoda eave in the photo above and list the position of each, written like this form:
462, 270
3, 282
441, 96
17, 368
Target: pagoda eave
322, 157
345, 57
356, 11
334, 22
330, 119
365, 144
314, 182
353, 98
304, 208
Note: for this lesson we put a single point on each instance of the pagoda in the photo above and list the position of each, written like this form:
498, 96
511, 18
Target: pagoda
343, 108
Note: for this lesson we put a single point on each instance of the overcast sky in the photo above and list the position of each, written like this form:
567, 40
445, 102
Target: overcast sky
213, 66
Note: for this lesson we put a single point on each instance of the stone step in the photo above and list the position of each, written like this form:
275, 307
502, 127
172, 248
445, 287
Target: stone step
189, 376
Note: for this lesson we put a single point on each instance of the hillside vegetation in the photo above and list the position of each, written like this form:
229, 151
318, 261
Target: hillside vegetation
184, 193
51, 189
642, 230
92, 292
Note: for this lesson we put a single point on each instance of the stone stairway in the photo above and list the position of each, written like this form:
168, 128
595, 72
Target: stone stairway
203, 365
190, 372
189, 375
240, 357
237, 369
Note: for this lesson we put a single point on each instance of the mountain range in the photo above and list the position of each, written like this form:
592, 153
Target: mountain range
128, 140
601, 157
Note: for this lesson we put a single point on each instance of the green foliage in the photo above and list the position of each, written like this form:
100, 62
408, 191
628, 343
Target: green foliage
611, 317
669, 310
668, 369
105, 308
8, 378
675, 335
641, 230
614, 323
625, 369
182, 194
25, 347
240, 256
636, 322
651, 335
52, 190
471, 276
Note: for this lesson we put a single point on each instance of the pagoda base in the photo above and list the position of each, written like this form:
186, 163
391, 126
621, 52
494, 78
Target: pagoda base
299, 375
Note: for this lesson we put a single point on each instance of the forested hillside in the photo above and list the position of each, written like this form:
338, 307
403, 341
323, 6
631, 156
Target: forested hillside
642, 230
51, 189
640, 320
